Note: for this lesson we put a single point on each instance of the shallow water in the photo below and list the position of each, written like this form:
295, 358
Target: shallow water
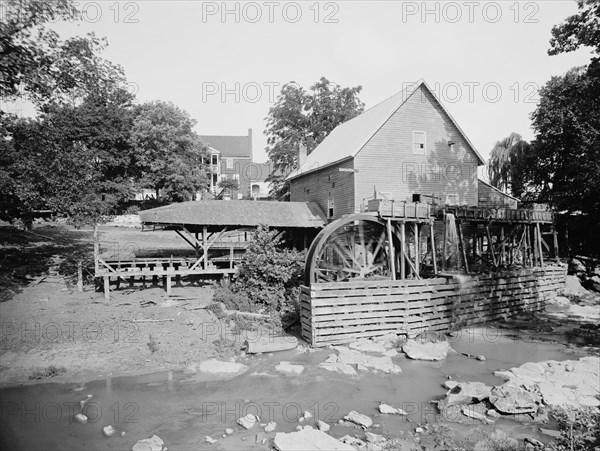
183, 408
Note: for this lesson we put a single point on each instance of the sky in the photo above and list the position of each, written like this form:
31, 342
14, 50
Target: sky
225, 62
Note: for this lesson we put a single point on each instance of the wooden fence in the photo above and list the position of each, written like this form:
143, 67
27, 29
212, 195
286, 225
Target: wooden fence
335, 313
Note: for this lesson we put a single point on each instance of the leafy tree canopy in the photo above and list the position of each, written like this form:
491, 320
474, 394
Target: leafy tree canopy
305, 118
36, 64
581, 29
505, 166
168, 151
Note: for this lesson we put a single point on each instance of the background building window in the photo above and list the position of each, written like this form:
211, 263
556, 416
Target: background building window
229, 163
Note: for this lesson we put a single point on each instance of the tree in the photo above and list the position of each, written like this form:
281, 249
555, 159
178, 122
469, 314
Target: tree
35, 62
566, 149
505, 166
168, 152
582, 29
229, 184
304, 118
75, 160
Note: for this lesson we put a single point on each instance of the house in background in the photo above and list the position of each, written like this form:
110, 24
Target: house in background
231, 157
405, 148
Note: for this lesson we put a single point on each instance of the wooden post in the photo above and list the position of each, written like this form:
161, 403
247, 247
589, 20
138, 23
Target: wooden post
555, 237
231, 256
168, 285
444, 245
491, 246
503, 248
475, 245
392, 250
205, 245
79, 276
539, 240
96, 250
417, 249
433, 253
402, 251
530, 257
462, 246
106, 288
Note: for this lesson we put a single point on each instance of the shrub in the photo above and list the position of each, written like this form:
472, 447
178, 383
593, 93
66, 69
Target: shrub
579, 429
267, 279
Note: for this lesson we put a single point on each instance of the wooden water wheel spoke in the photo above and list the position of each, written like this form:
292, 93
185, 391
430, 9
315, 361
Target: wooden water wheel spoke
349, 248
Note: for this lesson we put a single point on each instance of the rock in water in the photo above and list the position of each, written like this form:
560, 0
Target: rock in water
465, 393
360, 419
426, 350
322, 426
309, 440
288, 368
109, 430
270, 427
81, 418
510, 399
154, 443
338, 367
389, 410
218, 367
248, 421
210, 440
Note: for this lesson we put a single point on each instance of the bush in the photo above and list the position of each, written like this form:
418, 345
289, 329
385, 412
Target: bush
579, 429
267, 279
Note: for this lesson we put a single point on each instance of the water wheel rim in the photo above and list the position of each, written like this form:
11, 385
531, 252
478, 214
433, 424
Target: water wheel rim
373, 264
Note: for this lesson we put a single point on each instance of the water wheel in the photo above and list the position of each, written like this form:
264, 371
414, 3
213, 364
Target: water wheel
355, 247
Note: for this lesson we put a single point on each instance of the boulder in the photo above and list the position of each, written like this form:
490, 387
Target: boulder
352, 357
154, 443
576, 266
214, 366
476, 411
248, 421
426, 350
386, 409
109, 430
389, 341
511, 399
360, 419
309, 440
573, 287
271, 426
288, 368
466, 393
366, 345
354, 442
338, 367
322, 426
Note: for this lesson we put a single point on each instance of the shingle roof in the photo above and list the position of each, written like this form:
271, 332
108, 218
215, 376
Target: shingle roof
230, 146
238, 213
347, 139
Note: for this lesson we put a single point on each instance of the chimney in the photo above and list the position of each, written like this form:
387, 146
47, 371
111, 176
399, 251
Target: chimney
302, 154
250, 144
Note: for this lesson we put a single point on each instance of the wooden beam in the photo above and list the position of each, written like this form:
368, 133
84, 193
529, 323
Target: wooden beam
555, 238
417, 249
392, 255
539, 240
402, 250
462, 246
433, 253
444, 255
96, 249
503, 246
491, 246
204, 245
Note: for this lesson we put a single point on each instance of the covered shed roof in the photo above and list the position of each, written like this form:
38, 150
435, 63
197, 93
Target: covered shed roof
347, 139
236, 213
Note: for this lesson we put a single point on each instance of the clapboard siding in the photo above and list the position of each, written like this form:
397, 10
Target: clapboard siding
328, 182
335, 313
387, 161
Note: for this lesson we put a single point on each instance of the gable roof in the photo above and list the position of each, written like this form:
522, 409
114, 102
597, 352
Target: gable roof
347, 139
237, 213
497, 190
230, 146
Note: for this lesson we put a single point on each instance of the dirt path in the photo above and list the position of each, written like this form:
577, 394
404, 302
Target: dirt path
135, 332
